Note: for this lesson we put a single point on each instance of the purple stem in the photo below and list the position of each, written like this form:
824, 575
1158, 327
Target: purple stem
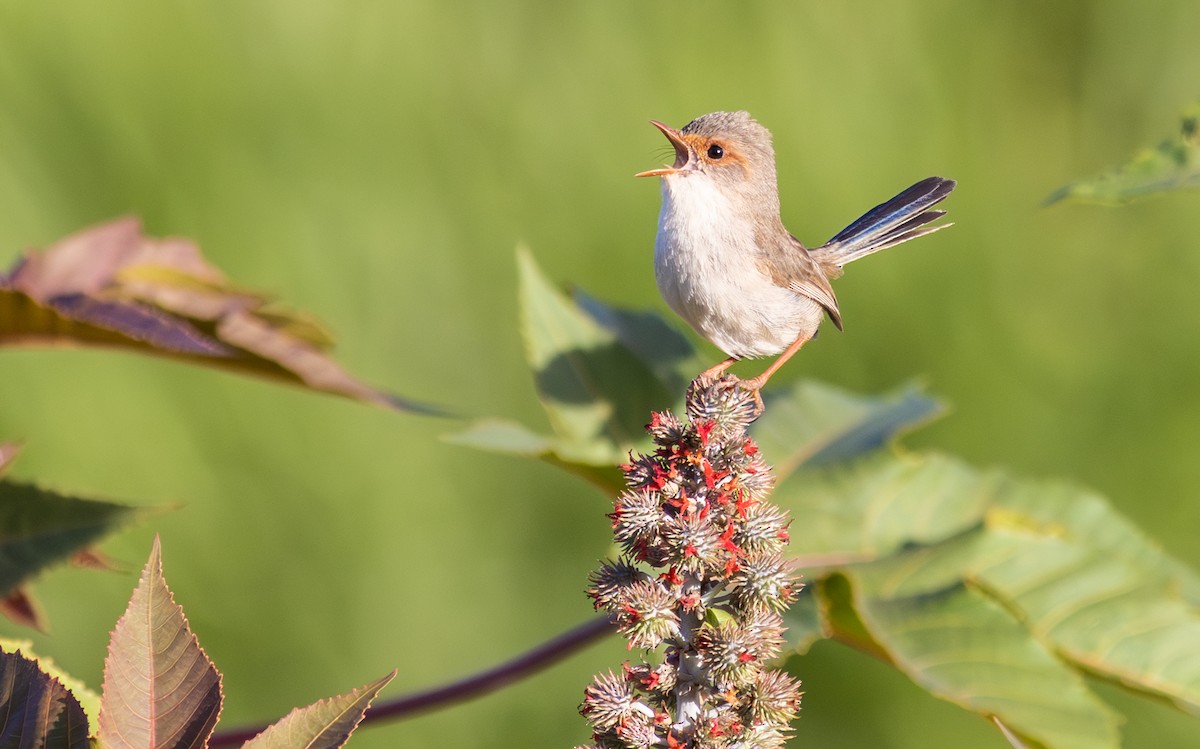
530, 662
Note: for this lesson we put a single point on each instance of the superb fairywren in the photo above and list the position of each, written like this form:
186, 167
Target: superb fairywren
723, 259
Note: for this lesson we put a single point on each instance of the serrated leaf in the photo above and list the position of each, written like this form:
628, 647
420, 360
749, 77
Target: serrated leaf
323, 725
39, 527
1093, 587
1173, 164
36, 710
160, 690
965, 648
811, 423
874, 507
94, 559
1061, 583
88, 699
112, 286
596, 392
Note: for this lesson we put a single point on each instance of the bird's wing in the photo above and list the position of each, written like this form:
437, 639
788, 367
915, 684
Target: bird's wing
821, 292
791, 267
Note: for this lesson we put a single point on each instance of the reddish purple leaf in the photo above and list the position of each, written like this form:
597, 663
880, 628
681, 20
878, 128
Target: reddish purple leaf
8, 453
94, 559
113, 286
36, 710
21, 607
160, 690
141, 324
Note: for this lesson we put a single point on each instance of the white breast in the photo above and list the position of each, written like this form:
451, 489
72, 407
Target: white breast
705, 265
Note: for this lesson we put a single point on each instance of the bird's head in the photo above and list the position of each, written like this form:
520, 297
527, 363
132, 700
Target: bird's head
730, 149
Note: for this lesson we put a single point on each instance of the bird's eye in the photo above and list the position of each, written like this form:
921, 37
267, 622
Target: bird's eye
715, 152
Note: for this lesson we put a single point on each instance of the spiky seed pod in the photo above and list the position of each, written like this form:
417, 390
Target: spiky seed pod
765, 628
765, 580
763, 736
774, 697
756, 477
703, 577
665, 429
693, 544
608, 701
641, 472
654, 681
610, 582
646, 614
729, 651
730, 409
638, 733
638, 520
765, 529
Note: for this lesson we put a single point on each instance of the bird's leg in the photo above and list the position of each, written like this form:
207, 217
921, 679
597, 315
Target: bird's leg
757, 383
715, 371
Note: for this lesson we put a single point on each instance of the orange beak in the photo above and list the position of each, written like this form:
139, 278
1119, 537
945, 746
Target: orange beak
682, 152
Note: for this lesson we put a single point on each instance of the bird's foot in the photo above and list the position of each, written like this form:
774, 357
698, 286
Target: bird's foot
755, 385
709, 377
713, 373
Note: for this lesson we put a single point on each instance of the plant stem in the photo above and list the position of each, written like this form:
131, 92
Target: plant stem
534, 660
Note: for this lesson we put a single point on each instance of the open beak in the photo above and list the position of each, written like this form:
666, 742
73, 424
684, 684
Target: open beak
682, 152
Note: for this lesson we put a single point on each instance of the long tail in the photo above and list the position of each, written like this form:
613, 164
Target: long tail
900, 219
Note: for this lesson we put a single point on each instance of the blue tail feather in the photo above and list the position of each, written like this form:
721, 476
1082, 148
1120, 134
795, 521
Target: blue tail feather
886, 225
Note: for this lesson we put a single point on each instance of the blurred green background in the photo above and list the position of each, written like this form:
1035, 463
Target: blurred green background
376, 163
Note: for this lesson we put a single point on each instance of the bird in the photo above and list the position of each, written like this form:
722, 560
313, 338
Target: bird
723, 260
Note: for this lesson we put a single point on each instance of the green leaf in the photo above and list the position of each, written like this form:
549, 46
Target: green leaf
966, 648
1087, 582
997, 593
324, 725
875, 507
1173, 164
501, 436
715, 617
599, 372
602, 370
840, 618
36, 710
811, 423
803, 622
160, 689
111, 286
39, 527
663, 349
596, 392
